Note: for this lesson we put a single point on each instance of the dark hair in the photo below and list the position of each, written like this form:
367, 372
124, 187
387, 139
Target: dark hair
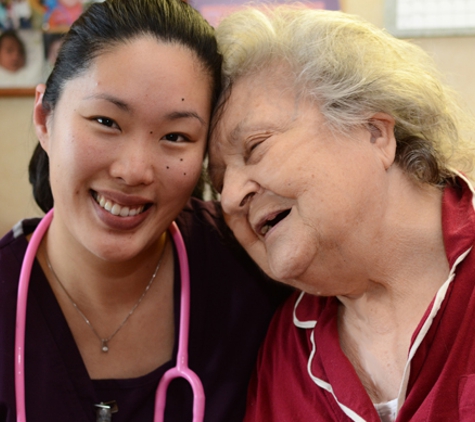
11, 33
102, 27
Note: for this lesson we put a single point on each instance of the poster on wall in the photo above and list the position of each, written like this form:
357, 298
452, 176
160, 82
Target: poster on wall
31, 33
215, 10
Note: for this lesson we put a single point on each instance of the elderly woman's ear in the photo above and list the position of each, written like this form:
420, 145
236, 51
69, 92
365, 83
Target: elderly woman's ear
381, 128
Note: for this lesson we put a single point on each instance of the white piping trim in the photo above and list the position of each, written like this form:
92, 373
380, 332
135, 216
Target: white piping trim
326, 386
439, 298
320, 383
297, 322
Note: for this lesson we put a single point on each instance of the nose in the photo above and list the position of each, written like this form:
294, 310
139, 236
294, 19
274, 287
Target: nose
134, 164
238, 190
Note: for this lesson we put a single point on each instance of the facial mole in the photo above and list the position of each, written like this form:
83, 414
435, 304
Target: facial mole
181, 159
168, 167
183, 99
184, 174
151, 132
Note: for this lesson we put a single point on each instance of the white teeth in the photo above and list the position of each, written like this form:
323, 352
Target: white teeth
116, 209
124, 212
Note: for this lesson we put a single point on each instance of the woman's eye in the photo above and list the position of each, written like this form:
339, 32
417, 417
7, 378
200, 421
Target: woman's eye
254, 146
175, 137
105, 121
251, 148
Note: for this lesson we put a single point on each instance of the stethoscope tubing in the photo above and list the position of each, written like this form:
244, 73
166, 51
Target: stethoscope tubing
20, 327
181, 370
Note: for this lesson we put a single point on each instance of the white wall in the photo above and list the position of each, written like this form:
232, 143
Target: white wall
454, 55
17, 141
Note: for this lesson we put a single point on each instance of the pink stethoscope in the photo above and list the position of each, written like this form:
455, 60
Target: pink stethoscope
181, 370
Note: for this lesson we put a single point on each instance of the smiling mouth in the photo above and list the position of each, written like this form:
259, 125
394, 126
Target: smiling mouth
117, 209
268, 224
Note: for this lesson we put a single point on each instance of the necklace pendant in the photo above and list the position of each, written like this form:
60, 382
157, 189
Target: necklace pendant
104, 346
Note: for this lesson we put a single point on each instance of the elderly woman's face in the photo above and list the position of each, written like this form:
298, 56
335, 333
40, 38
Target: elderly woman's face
305, 202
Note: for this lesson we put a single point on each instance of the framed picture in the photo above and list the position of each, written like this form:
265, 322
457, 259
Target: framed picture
21, 61
31, 33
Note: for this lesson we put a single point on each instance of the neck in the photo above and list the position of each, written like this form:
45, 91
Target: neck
121, 328
95, 281
404, 245
407, 266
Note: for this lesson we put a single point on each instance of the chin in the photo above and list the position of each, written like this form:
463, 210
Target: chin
113, 253
286, 272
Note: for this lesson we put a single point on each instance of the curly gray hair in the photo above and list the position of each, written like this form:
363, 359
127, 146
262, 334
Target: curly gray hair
352, 69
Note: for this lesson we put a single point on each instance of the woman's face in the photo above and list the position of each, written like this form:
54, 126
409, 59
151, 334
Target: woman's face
304, 201
11, 56
125, 143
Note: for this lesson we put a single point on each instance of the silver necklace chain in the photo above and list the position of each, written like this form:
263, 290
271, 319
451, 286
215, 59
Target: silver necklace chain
105, 341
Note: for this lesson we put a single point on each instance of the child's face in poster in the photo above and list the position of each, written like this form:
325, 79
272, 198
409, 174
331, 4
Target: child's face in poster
11, 55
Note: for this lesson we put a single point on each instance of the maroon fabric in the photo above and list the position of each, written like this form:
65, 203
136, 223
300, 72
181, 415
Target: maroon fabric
441, 385
231, 306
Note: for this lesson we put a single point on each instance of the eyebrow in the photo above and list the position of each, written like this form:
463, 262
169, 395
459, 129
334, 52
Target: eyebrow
243, 127
176, 115
111, 99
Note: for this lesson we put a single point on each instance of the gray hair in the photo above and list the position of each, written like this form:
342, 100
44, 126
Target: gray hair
352, 70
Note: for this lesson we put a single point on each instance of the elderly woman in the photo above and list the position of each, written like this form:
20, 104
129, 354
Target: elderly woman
335, 149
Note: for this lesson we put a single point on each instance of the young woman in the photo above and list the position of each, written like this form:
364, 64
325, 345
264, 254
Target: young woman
122, 124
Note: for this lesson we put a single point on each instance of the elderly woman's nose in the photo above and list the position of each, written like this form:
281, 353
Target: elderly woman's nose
238, 190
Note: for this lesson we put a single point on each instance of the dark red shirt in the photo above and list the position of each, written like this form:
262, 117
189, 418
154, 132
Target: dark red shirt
303, 375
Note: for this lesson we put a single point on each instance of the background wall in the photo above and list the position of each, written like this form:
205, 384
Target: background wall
455, 57
17, 141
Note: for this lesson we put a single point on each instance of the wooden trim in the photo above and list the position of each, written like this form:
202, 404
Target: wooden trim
17, 92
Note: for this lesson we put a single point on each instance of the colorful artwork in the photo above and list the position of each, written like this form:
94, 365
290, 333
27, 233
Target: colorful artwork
37, 27
215, 10
46, 15
60, 14
15, 14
